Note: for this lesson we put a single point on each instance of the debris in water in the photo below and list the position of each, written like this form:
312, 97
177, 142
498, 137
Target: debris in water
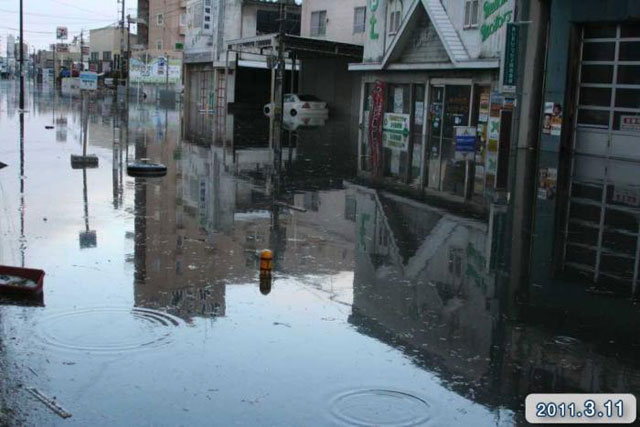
51, 404
3, 165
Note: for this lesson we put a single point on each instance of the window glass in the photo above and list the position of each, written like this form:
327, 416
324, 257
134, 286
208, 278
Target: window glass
629, 74
598, 31
597, 74
160, 19
319, 23
599, 51
359, 18
629, 51
595, 96
628, 98
593, 118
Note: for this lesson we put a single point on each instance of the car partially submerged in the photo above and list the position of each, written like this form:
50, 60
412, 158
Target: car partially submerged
295, 104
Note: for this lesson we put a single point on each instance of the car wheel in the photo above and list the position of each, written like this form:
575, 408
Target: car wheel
267, 110
294, 113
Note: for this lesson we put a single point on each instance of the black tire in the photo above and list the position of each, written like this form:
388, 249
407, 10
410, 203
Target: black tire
267, 110
293, 113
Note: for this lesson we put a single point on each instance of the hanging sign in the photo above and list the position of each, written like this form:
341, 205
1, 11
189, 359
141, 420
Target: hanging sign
375, 127
510, 63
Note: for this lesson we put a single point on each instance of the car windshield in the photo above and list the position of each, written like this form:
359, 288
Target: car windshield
309, 98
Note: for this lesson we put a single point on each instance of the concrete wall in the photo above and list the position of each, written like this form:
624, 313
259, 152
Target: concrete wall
340, 15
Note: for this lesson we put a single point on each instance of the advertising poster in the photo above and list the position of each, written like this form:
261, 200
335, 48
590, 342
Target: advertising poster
552, 123
395, 133
496, 104
465, 142
483, 115
547, 183
398, 100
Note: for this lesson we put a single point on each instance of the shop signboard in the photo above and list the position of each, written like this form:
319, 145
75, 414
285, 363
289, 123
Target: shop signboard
483, 115
396, 123
510, 63
62, 33
626, 195
630, 123
465, 142
62, 48
395, 141
88, 80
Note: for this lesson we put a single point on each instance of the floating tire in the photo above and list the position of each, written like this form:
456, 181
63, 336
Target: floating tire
293, 113
267, 110
144, 169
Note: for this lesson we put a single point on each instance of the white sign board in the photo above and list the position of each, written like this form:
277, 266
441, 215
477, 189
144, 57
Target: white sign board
62, 33
630, 123
88, 80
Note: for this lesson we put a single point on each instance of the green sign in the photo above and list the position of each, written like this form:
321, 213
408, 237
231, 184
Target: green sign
179, 46
490, 27
490, 7
373, 5
510, 73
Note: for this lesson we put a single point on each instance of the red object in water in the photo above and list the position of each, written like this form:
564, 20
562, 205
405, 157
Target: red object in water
26, 273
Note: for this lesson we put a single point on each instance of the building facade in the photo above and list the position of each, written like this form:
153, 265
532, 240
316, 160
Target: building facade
162, 27
336, 20
104, 47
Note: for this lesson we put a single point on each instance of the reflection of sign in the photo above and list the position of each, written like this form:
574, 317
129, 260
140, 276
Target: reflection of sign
510, 67
630, 123
396, 123
626, 195
88, 80
465, 142
62, 33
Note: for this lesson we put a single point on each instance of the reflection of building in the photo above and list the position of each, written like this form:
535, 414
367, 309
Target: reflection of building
430, 284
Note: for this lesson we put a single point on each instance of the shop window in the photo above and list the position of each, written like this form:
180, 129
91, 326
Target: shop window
318, 23
471, 13
106, 56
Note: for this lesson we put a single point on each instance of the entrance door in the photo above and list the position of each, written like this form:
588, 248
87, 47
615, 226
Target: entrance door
602, 226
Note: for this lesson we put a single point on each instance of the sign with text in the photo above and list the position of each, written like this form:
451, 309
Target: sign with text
62, 48
88, 80
396, 123
465, 142
510, 63
630, 123
62, 33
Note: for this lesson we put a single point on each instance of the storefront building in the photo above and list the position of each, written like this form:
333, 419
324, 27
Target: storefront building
588, 200
437, 97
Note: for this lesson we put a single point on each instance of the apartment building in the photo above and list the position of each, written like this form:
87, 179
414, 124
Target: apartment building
162, 27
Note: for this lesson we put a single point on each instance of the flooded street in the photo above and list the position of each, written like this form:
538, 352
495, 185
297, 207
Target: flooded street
382, 310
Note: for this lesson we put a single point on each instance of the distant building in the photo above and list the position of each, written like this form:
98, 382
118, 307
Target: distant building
105, 48
335, 20
162, 27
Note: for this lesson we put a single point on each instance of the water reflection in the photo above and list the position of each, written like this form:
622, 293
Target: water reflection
377, 301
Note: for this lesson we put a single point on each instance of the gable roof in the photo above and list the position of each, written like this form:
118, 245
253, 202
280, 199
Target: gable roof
440, 20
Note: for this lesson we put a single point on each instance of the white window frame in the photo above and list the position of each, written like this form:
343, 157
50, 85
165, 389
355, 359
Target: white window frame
471, 19
359, 27
160, 20
395, 16
321, 28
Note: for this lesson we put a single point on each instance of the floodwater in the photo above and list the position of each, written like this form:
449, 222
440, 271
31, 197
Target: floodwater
382, 310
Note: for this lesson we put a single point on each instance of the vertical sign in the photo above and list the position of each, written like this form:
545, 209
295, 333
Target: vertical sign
510, 64
375, 128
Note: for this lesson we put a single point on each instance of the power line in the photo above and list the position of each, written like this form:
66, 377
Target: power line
53, 16
76, 7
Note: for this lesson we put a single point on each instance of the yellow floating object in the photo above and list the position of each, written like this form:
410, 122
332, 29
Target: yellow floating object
266, 262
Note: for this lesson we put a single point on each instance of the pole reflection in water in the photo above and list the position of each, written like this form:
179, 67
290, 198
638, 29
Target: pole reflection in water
23, 240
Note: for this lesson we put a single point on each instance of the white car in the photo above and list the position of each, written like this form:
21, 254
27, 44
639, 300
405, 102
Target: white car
300, 104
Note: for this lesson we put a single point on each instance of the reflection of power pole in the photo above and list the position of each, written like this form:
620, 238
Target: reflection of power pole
22, 238
21, 62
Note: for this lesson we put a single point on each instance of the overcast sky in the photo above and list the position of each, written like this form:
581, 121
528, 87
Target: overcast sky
41, 17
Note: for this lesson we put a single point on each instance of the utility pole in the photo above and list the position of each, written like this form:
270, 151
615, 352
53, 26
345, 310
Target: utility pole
128, 53
278, 90
21, 62
121, 45
82, 50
